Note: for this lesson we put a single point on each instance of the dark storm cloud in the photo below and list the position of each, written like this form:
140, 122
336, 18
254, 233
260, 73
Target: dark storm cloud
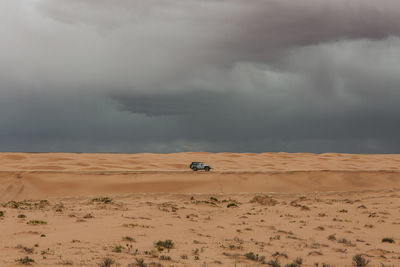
174, 75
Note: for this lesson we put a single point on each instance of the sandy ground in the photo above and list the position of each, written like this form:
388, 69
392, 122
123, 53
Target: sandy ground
251, 209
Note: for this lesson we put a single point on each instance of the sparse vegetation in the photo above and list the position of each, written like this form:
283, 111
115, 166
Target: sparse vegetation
118, 249
128, 238
105, 200
230, 205
21, 216
274, 263
27, 205
359, 260
332, 237
255, 257
264, 200
387, 240
296, 263
107, 262
26, 249
36, 222
346, 242
26, 260
168, 244
134, 225
1, 213
278, 254
139, 263
165, 258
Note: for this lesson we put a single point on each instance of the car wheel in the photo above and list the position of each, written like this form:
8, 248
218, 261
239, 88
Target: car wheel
207, 169
195, 168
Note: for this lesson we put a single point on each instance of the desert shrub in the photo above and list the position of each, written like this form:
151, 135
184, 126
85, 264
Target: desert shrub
26, 260
214, 199
346, 242
359, 260
332, 237
25, 249
118, 249
264, 200
1, 213
278, 254
21, 216
36, 222
107, 262
231, 205
251, 256
165, 258
274, 263
255, 257
387, 240
165, 244
105, 200
140, 263
184, 257
296, 263
128, 238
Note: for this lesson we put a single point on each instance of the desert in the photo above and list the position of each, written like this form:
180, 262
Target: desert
268, 209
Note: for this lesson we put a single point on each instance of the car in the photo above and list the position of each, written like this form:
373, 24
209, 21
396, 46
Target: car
200, 166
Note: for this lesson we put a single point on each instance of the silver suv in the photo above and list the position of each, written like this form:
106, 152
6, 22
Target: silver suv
200, 166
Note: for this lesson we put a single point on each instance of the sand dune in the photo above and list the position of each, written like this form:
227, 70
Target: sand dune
36, 175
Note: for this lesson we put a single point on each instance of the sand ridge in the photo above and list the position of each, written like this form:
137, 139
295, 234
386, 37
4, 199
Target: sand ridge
40, 175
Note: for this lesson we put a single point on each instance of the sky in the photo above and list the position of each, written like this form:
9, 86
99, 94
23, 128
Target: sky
165, 76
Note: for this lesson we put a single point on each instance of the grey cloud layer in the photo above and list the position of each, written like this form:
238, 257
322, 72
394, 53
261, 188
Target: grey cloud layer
165, 76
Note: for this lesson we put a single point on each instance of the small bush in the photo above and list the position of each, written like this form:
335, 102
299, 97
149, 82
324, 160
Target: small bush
264, 200
346, 242
332, 237
255, 257
1, 213
139, 263
296, 263
274, 263
359, 260
118, 249
165, 258
21, 216
128, 238
387, 240
168, 244
36, 222
251, 256
26, 260
107, 262
231, 205
105, 200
